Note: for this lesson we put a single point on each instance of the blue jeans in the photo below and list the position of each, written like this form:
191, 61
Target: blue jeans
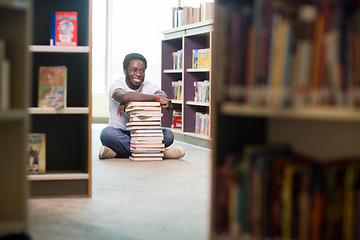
119, 140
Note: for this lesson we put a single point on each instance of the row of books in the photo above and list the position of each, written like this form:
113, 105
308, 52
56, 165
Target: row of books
176, 119
177, 59
4, 77
184, 15
146, 143
202, 91
201, 58
270, 192
177, 89
202, 123
278, 57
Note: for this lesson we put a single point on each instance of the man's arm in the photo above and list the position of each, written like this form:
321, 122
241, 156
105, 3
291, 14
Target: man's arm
164, 101
125, 97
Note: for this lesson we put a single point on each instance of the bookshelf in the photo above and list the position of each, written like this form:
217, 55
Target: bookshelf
68, 130
14, 120
322, 129
186, 38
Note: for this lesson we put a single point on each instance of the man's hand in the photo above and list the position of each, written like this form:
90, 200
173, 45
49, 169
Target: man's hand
121, 110
166, 103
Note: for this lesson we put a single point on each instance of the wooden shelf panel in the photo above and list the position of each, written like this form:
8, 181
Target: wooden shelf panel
189, 29
198, 70
14, 4
195, 103
175, 101
9, 227
57, 176
58, 49
198, 135
309, 113
71, 110
12, 115
173, 71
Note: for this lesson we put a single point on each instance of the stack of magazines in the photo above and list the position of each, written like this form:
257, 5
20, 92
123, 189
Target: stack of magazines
146, 142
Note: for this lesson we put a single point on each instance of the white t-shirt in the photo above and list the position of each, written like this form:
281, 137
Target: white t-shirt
120, 122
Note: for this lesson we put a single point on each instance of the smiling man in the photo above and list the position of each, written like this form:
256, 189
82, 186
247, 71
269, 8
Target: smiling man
115, 138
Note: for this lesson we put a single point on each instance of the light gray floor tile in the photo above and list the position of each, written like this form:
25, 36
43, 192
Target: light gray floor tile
132, 200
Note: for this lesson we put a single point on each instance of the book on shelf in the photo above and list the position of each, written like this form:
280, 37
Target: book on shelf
144, 147
4, 77
177, 89
207, 11
143, 104
201, 58
64, 29
146, 137
177, 59
159, 154
140, 113
146, 158
145, 131
202, 123
52, 87
176, 119
202, 91
142, 123
141, 108
178, 17
36, 153
185, 15
150, 134
141, 118
143, 127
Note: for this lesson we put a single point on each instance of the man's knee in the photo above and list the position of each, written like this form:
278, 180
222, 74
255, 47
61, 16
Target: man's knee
106, 134
168, 136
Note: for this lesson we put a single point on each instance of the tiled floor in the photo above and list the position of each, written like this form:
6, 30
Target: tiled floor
132, 200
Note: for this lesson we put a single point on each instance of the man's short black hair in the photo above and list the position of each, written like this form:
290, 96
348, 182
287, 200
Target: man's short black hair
132, 56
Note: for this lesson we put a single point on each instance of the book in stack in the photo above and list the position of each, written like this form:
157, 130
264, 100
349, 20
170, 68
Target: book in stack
146, 142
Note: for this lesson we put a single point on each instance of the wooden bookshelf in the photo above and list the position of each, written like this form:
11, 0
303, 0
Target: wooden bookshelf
186, 38
15, 20
327, 132
68, 130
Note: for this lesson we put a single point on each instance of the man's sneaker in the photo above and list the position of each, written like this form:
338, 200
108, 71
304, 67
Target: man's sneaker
106, 152
174, 153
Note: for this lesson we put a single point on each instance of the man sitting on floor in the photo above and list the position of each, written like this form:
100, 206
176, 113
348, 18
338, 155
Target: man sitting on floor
115, 138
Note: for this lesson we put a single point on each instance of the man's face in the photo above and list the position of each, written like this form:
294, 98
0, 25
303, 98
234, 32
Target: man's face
135, 73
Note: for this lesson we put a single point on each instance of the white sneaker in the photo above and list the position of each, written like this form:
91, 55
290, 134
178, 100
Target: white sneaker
174, 153
106, 152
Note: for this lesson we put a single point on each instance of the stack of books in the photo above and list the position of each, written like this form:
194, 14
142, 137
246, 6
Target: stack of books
146, 142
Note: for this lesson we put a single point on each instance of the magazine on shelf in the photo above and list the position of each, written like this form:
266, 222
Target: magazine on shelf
64, 29
52, 87
36, 153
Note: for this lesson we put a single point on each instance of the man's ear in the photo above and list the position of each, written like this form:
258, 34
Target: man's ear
124, 70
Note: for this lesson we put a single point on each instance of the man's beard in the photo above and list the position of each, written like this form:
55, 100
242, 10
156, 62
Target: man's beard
128, 80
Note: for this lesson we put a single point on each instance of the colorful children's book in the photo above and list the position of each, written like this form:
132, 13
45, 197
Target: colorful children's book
64, 29
52, 87
36, 153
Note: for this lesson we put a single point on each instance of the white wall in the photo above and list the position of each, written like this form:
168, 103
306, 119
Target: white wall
136, 28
